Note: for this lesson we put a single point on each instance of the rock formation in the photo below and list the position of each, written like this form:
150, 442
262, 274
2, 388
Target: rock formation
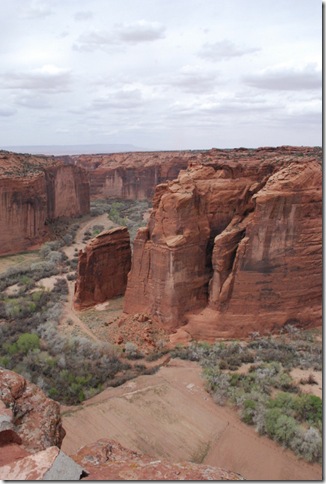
233, 246
116, 463
31, 436
50, 464
103, 268
131, 175
33, 191
28, 416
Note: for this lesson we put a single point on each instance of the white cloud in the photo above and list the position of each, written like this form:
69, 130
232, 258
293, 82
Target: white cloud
141, 31
123, 99
48, 78
7, 111
133, 33
83, 15
36, 10
287, 78
32, 101
223, 50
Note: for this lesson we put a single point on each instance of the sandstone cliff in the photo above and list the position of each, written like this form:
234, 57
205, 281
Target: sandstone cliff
233, 246
34, 190
131, 175
103, 268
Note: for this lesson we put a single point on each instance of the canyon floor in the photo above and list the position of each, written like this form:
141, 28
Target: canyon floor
170, 415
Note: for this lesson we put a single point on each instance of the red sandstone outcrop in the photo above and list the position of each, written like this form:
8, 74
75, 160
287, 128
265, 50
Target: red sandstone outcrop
135, 175
108, 461
131, 175
31, 433
233, 246
28, 417
103, 268
34, 190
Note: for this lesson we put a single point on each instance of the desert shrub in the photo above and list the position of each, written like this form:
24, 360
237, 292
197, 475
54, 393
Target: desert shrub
308, 444
27, 342
97, 229
71, 277
309, 408
132, 352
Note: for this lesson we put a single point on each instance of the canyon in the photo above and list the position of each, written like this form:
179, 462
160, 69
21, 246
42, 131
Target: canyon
233, 246
35, 190
227, 226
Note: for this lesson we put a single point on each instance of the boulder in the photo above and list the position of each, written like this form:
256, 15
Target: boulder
27, 416
50, 464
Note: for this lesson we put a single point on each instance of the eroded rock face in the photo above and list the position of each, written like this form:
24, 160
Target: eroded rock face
131, 175
103, 268
233, 246
27, 416
34, 190
108, 460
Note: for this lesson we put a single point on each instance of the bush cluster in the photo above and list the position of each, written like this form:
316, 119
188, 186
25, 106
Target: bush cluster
290, 418
128, 213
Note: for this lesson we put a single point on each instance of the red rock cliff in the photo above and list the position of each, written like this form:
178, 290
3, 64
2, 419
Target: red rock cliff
33, 190
103, 268
131, 175
234, 246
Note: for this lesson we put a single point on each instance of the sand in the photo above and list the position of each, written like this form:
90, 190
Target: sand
170, 415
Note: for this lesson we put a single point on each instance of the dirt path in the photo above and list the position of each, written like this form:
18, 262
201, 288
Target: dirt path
170, 415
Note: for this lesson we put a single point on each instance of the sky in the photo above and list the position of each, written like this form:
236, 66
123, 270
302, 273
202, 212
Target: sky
161, 74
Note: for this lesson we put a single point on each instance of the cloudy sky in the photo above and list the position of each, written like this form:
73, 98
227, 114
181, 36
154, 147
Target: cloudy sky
161, 74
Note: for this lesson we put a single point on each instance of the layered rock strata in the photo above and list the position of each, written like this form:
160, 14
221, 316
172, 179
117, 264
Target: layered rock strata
233, 246
135, 175
131, 175
33, 191
103, 268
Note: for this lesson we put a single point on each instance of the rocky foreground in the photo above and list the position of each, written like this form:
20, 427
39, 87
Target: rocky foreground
31, 435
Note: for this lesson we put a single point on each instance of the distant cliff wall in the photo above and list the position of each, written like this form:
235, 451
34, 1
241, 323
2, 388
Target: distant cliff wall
131, 176
34, 190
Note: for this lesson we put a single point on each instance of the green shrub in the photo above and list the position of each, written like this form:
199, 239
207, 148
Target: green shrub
27, 342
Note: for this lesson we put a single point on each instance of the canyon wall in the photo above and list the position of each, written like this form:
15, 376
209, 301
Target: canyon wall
131, 175
233, 246
103, 268
34, 190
